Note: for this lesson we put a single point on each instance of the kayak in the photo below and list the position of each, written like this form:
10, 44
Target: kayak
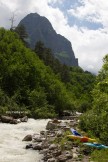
74, 132
81, 138
97, 145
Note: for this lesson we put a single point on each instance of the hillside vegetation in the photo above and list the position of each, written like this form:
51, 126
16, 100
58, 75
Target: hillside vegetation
95, 121
42, 87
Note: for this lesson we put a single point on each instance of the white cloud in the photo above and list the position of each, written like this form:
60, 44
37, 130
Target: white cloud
92, 10
55, 1
89, 46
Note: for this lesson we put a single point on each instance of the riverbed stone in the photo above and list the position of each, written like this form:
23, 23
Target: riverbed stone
24, 119
27, 138
75, 155
37, 146
56, 121
47, 156
61, 158
51, 126
68, 154
52, 146
38, 139
56, 152
51, 160
8, 119
14, 121
29, 146
59, 133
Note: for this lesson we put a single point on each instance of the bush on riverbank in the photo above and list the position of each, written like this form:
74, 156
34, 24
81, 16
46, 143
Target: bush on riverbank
95, 121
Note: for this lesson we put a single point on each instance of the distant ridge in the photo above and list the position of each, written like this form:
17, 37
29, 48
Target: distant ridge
40, 29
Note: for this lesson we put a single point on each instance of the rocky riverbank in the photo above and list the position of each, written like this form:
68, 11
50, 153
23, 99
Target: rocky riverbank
54, 144
12, 120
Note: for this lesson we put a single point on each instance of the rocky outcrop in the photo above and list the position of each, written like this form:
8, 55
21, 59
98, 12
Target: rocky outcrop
40, 29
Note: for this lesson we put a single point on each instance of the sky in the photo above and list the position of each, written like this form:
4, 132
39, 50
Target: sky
83, 22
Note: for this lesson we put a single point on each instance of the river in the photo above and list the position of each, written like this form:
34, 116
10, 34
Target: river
12, 148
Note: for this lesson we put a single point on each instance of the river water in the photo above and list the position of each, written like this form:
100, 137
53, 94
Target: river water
12, 148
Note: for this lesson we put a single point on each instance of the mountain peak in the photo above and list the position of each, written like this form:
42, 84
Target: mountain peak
39, 28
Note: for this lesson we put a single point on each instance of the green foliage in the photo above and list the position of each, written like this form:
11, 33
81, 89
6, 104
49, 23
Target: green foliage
78, 82
81, 84
63, 141
21, 31
100, 155
95, 120
44, 112
39, 84
27, 82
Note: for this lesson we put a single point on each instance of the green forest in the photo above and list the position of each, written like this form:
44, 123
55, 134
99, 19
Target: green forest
34, 82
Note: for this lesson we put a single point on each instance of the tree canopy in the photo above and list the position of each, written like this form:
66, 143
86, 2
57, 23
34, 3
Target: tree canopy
36, 81
96, 120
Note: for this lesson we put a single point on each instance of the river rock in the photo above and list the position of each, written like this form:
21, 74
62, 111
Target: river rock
24, 119
42, 133
59, 133
61, 158
51, 125
52, 146
27, 138
37, 146
47, 156
14, 121
56, 121
44, 151
56, 152
75, 155
68, 155
38, 139
45, 144
62, 125
51, 160
8, 119
29, 146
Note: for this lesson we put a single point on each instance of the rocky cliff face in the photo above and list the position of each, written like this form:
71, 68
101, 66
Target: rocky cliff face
40, 29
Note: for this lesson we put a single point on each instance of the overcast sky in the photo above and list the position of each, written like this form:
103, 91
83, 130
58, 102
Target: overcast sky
83, 22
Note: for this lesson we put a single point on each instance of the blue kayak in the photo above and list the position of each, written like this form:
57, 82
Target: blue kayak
74, 132
97, 145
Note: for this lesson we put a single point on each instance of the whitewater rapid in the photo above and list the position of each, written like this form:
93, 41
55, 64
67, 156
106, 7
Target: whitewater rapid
12, 148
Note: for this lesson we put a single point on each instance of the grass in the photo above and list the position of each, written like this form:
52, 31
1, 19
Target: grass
100, 155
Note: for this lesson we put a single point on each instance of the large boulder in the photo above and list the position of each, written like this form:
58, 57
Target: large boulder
8, 119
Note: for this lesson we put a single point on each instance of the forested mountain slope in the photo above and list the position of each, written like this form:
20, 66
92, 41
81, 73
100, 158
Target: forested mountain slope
27, 84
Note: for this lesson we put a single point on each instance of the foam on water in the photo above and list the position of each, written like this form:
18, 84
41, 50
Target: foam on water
12, 149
